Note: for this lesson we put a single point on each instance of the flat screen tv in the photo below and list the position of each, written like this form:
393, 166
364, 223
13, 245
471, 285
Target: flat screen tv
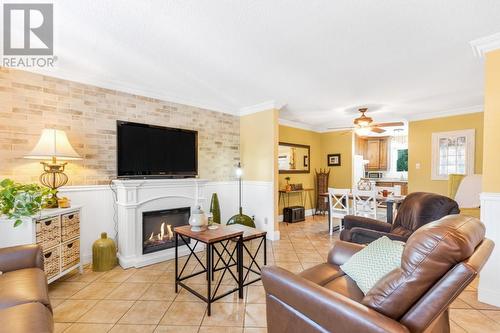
148, 151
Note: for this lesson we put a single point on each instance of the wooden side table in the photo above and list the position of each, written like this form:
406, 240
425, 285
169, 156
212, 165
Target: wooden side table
222, 235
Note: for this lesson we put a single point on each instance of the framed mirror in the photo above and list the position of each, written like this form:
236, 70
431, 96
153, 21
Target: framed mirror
293, 158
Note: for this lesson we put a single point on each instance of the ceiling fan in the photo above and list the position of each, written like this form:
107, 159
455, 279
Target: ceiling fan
364, 124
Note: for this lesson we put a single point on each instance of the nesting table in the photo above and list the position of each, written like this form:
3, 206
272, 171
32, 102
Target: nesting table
219, 258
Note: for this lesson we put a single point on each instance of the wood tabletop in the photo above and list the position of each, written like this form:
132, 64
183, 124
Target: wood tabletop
296, 191
209, 236
248, 232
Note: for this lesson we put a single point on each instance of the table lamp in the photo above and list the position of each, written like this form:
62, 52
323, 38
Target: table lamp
53, 145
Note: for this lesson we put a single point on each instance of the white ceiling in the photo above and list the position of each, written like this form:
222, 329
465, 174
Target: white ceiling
320, 59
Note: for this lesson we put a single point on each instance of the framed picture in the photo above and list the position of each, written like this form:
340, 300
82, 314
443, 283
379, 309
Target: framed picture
333, 159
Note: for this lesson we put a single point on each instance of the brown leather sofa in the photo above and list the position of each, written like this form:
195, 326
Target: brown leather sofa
24, 295
416, 210
439, 261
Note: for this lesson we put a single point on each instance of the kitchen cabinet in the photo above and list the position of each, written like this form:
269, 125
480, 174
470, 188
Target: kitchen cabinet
375, 150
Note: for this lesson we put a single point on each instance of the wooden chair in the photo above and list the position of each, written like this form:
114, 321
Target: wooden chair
365, 203
339, 205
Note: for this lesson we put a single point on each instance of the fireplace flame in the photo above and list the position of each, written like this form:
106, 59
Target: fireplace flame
169, 231
169, 235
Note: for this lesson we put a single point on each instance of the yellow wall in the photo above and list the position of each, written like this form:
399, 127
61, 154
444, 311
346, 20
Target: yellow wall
333, 143
491, 176
257, 141
420, 149
303, 137
259, 150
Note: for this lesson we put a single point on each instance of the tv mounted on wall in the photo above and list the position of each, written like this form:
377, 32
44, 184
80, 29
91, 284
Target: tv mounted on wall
149, 151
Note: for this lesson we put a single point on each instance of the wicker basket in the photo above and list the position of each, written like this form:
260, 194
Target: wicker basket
70, 254
48, 232
70, 225
51, 262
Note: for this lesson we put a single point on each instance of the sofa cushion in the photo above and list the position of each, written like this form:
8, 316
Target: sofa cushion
373, 262
23, 286
26, 318
322, 274
346, 286
429, 254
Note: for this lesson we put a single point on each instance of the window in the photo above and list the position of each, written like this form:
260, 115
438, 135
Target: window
452, 152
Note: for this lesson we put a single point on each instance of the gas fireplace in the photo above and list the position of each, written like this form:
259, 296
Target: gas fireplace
158, 226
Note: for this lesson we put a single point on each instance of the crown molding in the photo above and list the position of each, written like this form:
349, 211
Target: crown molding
297, 124
446, 113
483, 45
129, 89
264, 106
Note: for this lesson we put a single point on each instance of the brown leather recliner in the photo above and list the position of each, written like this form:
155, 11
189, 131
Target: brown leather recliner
439, 261
416, 210
24, 295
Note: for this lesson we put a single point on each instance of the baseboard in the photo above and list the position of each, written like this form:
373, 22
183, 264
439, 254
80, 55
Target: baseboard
489, 296
308, 212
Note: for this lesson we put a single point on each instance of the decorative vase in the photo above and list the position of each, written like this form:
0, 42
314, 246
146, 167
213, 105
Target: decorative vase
215, 209
288, 187
198, 219
103, 254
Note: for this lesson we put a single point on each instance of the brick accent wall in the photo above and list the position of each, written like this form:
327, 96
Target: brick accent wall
30, 102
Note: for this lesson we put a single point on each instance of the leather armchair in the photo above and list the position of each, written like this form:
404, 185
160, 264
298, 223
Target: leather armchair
439, 261
24, 296
416, 210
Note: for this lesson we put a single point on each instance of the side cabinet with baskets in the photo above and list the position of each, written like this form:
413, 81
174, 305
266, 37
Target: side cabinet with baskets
57, 231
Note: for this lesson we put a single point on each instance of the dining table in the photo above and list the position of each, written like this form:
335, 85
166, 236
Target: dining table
391, 202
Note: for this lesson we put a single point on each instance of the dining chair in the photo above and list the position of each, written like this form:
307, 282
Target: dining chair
338, 199
365, 203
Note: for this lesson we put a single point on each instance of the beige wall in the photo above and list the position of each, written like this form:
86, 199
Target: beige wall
420, 145
303, 137
491, 163
333, 143
30, 102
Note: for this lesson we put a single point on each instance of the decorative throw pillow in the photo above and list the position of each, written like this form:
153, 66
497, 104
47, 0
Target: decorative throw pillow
372, 263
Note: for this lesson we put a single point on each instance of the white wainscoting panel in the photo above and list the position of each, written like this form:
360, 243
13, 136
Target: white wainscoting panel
97, 214
489, 288
99, 207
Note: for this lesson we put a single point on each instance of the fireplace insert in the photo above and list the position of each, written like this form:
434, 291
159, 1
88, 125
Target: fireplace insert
158, 226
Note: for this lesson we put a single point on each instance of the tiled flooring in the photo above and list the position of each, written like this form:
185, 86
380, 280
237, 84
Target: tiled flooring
143, 300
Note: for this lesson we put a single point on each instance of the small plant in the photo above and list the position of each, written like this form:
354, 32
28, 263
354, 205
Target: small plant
287, 179
22, 200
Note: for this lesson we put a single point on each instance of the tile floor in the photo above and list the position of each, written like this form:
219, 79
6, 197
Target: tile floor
143, 300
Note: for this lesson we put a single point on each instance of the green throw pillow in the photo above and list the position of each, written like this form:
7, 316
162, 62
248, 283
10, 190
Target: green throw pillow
372, 263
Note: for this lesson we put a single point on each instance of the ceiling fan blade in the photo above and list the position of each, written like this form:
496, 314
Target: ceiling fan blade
399, 123
377, 130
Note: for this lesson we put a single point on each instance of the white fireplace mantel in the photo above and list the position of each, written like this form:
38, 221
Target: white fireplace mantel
135, 197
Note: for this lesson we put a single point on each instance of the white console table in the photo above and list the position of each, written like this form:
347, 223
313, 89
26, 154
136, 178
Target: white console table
56, 230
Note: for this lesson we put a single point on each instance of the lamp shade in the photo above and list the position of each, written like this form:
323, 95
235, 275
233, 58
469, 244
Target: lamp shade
53, 143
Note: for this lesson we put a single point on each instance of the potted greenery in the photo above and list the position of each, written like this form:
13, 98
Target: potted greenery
18, 201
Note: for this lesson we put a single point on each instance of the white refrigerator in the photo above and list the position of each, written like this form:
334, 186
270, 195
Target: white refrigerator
358, 169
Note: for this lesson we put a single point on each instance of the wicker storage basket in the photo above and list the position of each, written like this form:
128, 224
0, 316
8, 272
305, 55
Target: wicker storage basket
51, 262
70, 225
48, 232
70, 254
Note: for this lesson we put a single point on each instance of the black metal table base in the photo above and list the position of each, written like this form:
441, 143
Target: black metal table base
209, 269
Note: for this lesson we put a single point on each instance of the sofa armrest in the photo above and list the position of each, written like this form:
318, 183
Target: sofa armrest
330, 310
364, 236
353, 221
342, 251
20, 257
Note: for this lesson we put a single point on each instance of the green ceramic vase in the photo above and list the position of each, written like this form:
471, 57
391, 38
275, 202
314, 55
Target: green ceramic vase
103, 254
215, 209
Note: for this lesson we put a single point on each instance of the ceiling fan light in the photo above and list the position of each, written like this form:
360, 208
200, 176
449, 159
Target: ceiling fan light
363, 131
